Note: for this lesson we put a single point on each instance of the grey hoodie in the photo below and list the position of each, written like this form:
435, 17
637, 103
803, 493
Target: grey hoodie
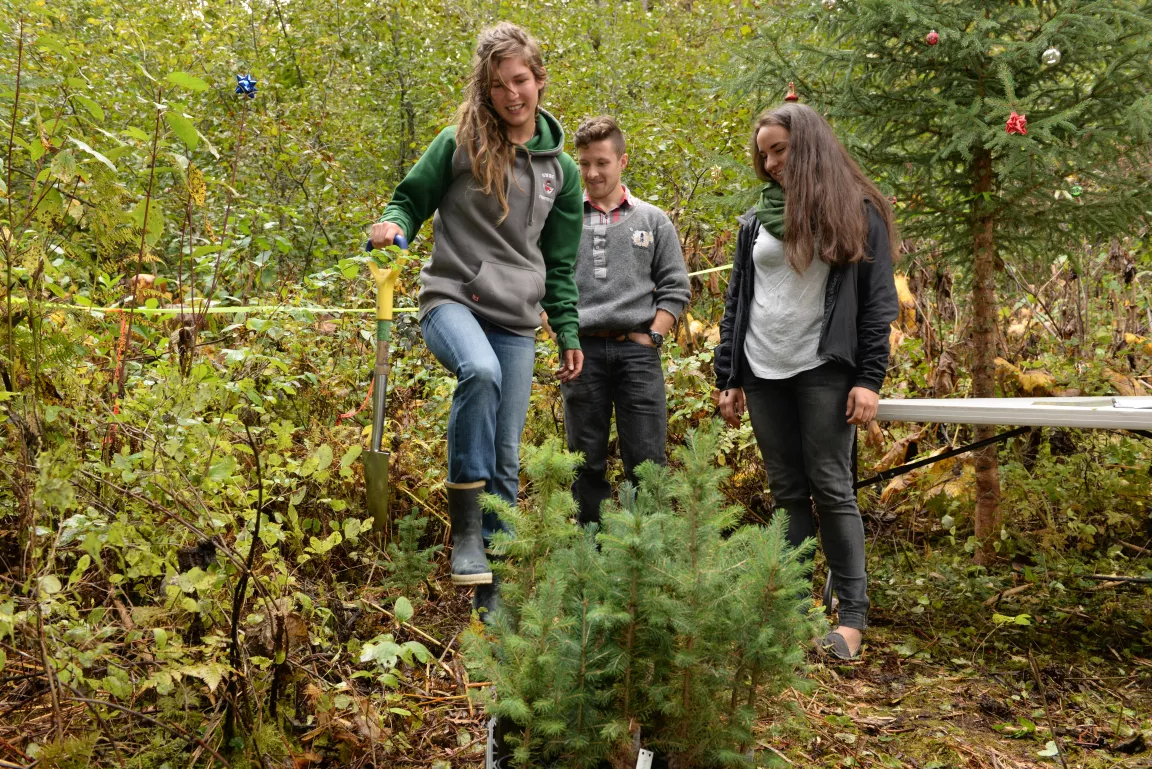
504, 272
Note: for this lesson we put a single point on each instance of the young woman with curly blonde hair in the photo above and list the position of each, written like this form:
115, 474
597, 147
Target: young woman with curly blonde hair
508, 219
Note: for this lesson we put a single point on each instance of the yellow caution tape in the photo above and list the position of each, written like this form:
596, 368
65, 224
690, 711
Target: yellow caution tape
249, 309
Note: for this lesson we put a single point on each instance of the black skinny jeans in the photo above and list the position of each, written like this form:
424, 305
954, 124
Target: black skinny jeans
626, 375
806, 443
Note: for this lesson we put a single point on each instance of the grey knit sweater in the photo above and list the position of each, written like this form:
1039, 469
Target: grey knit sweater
629, 269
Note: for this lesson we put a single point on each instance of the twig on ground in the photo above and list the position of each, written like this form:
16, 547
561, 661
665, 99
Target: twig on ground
1118, 579
6, 765
49, 673
423, 504
14, 749
413, 628
170, 727
1008, 593
782, 757
1047, 710
103, 727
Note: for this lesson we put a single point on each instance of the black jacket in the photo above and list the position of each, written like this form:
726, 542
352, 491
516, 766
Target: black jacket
859, 305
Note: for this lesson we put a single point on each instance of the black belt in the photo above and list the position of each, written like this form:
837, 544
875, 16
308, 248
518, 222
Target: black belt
619, 336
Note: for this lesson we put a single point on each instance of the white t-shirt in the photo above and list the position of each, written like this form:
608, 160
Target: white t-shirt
787, 312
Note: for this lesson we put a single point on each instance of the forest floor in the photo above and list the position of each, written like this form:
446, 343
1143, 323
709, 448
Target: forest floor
1023, 665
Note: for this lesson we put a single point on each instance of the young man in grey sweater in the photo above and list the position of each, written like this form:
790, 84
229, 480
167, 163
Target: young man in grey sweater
633, 285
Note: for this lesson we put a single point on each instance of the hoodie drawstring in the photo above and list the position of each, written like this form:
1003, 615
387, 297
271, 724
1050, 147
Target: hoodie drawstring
532, 202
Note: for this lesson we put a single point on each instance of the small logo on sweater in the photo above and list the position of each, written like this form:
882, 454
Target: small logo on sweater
475, 298
548, 188
642, 238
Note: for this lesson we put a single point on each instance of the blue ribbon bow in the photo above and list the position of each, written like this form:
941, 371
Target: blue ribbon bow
246, 86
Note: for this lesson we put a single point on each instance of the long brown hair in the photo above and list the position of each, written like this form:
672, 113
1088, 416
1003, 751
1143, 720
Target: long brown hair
479, 129
824, 191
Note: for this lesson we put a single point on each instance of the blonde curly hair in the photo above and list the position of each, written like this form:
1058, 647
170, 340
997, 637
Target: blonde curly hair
479, 128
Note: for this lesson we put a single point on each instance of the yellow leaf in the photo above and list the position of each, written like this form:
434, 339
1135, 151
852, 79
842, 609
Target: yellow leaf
1019, 328
897, 485
1132, 340
1124, 385
197, 189
907, 317
896, 455
963, 487
1035, 383
895, 337
1004, 368
937, 471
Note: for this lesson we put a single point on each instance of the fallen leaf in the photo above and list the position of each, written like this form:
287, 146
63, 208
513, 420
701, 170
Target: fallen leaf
1124, 385
1035, 384
897, 485
944, 376
895, 337
898, 454
907, 317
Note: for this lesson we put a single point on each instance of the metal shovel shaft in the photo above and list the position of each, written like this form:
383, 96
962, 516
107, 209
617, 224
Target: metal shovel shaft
376, 459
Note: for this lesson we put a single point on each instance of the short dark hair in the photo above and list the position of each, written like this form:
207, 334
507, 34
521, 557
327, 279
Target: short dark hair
598, 129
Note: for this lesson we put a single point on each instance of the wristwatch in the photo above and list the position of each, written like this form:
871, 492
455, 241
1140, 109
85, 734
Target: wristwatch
657, 338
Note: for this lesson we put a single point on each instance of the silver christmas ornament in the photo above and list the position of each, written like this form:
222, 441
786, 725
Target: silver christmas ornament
1051, 56
829, 5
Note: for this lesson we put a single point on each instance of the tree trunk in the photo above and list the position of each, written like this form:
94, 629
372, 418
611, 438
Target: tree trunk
984, 311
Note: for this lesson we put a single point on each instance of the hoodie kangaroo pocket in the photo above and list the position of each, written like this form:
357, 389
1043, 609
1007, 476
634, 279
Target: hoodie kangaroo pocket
506, 295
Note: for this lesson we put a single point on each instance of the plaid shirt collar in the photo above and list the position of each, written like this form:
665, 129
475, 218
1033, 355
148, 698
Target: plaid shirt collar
594, 214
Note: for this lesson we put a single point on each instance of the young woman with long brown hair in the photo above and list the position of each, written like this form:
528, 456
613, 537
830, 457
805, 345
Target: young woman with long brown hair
509, 215
804, 338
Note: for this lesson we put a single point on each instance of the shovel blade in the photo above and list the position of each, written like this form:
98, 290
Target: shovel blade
376, 481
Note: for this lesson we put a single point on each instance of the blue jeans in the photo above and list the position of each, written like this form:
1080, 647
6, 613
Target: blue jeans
627, 376
807, 443
493, 369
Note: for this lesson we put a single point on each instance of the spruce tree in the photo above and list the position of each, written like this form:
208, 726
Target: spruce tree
410, 565
1009, 132
585, 703
704, 586
769, 642
637, 600
665, 629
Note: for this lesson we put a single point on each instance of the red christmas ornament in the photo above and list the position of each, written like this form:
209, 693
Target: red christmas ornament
932, 38
1017, 124
791, 93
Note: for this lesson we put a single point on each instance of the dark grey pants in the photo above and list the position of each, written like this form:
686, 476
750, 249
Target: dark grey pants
806, 443
627, 376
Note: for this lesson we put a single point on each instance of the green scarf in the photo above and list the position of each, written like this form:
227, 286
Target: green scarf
770, 209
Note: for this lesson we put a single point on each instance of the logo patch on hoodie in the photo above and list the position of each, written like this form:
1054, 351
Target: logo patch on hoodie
548, 188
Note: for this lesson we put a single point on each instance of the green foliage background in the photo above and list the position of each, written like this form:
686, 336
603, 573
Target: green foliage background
129, 443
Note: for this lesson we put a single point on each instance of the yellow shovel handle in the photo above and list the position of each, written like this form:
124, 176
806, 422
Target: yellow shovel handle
385, 283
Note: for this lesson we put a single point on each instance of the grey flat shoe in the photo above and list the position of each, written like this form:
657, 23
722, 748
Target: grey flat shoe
836, 645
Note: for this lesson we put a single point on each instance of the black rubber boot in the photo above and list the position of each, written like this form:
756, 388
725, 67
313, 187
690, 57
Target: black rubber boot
486, 600
469, 566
